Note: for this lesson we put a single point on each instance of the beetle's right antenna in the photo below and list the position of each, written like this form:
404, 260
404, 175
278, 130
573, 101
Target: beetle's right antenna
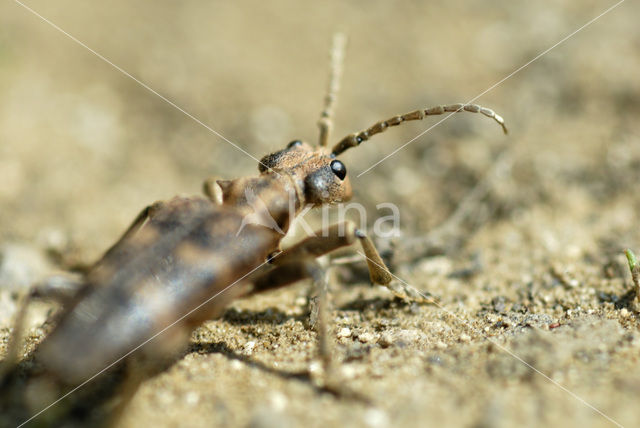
353, 140
326, 117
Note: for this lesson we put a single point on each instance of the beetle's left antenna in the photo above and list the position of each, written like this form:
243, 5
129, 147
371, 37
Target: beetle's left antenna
326, 117
353, 140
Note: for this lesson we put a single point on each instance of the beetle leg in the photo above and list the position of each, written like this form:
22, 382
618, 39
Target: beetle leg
337, 236
295, 270
137, 223
288, 269
298, 262
345, 233
323, 324
58, 288
212, 190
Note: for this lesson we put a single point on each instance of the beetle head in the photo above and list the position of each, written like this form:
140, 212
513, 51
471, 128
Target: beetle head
321, 177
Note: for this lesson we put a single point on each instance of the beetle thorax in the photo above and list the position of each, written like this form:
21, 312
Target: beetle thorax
269, 196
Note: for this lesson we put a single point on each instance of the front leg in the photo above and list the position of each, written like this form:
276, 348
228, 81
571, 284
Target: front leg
298, 262
59, 288
337, 236
296, 269
212, 190
343, 234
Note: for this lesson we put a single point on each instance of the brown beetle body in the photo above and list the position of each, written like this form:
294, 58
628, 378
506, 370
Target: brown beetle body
175, 261
182, 261
179, 253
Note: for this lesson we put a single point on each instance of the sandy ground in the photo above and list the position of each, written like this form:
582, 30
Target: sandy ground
535, 324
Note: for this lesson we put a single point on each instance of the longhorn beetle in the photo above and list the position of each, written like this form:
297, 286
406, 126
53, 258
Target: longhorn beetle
189, 250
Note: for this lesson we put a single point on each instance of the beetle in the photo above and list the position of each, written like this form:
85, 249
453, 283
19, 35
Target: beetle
182, 261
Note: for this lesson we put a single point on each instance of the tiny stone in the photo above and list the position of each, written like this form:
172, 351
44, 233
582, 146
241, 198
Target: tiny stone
499, 304
345, 332
348, 371
278, 401
54, 239
386, 340
21, 266
376, 418
265, 417
435, 360
164, 397
248, 347
315, 367
366, 337
192, 398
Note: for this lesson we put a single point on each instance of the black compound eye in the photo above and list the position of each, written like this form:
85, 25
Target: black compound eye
294, 143
339, 169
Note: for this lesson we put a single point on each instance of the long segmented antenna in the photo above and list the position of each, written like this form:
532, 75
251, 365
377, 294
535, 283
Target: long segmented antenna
353, 140
326, 117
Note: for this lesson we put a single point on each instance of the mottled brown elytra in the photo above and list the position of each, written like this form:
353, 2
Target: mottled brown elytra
182, 261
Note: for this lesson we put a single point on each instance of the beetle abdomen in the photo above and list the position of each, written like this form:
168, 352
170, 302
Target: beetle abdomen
186, 252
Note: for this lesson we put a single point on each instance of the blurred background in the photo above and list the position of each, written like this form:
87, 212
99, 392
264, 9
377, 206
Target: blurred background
83, 147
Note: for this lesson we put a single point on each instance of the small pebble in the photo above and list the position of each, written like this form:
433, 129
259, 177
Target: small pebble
278, 401
192, 398
348, 371
265, 417
366, 337
164, 397
315, 367
21, 266
376, 418
386, 339
247, 349
345, 332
